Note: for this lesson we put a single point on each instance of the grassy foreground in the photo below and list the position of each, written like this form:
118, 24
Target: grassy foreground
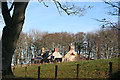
87, 69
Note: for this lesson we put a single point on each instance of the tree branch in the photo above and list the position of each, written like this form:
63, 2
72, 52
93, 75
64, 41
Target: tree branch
57, 8
62, 7
70, 9
43, 3
19, 12
111, 4
110, 13
108, 23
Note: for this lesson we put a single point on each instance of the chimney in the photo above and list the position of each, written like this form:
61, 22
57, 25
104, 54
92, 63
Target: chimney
43, 50
56, 50
72, 47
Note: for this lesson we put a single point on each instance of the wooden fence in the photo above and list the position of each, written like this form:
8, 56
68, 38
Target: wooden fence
77, 71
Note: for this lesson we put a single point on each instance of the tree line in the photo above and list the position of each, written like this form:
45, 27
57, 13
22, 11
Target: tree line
102, 44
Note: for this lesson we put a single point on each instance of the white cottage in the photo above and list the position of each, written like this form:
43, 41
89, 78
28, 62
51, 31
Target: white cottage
56, 55
71, 55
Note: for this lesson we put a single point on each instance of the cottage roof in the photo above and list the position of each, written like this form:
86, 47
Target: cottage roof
72, 51
71, 55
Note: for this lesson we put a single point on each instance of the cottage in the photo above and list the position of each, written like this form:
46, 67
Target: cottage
72, 55
56, 56
42, 57
48, 56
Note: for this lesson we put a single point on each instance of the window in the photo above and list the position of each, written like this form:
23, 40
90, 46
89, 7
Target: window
72, 54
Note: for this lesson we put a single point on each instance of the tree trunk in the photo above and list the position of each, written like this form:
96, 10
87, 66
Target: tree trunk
98, 51
11, 34
108, 53
16, 59
85, 52
20, 54
105, 54
89, 49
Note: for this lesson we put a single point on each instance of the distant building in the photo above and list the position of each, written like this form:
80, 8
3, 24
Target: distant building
48, 56
72, 55
42, 57
56, 56
37, 59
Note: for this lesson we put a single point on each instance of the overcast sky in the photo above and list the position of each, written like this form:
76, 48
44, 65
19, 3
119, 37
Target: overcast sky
39, 17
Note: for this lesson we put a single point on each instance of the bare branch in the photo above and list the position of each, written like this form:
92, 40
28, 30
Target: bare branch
70, 9
107, 23
62, 7
43, 3
111, 4
57, 7
111, 13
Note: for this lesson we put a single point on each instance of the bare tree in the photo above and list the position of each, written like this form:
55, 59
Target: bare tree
79, 41
115, 12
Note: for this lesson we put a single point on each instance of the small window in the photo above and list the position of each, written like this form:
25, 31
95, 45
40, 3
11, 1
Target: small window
52, 57
72, 54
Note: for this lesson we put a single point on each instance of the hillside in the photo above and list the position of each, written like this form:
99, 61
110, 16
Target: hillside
87, 69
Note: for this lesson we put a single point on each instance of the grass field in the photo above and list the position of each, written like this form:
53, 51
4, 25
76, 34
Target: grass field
87, 69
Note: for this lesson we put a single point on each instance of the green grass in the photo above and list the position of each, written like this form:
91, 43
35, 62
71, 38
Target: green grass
87, 69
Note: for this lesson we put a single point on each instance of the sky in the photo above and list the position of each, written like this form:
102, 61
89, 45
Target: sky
47, 19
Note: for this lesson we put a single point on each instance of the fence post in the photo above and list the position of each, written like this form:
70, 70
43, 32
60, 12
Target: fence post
110, 69
38, 72
25, 71
56, 67
77, 71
